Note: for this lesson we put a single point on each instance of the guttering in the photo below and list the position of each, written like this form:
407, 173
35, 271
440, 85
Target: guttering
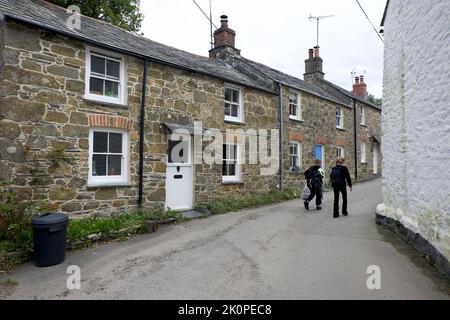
280, 96
142, 136
133, 54
355, 140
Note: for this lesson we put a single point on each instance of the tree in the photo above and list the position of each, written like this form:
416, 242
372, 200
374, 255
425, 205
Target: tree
122, 13
376, 101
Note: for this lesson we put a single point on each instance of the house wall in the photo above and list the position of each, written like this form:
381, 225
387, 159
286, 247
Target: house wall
42, 108
366, 133
416, 121
317, 127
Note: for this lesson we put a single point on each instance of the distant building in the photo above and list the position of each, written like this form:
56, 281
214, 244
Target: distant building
416, 126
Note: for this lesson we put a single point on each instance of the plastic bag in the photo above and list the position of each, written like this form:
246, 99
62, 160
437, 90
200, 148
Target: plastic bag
306, 193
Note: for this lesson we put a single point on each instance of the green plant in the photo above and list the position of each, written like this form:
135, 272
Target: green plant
10, 283
58, 155
221, 206
15, 219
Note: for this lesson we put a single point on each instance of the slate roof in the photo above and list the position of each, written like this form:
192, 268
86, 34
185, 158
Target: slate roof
344, 95
295, 83
51, 17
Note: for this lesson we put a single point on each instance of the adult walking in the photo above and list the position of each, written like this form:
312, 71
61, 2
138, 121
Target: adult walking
314, 180
340, 178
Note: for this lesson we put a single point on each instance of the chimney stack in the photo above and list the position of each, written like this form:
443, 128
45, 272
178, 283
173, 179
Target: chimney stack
224, 36
313, 66
360, 87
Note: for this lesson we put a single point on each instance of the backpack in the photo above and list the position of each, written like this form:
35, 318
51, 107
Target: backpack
316, 179
337, 179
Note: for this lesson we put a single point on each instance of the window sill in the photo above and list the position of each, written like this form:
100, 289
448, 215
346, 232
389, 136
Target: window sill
363, 125
341, 129
295, 172
107, 186
237, 123
106, 104
296, 120
232, 182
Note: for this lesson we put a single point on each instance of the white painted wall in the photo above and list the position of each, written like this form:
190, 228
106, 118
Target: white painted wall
416, 118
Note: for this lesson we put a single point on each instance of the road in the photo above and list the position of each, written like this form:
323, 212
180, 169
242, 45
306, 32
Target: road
280, 251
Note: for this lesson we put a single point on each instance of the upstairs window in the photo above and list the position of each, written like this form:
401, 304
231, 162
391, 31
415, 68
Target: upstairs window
233, 104
105, 77
295, 111
339, 118
362, 116
230, 164
108, 157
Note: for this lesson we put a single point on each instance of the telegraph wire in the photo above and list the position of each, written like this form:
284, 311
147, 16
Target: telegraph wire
379, 36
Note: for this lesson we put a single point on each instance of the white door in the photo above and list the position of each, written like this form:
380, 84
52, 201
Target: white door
179, 174
375, 159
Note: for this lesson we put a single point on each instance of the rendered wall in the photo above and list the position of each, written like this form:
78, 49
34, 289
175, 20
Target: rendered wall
416, 119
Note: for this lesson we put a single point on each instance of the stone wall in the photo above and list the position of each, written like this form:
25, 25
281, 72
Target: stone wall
416, 121
43, 109
317, 127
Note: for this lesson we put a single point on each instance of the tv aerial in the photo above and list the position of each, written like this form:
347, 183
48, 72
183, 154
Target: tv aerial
318, 18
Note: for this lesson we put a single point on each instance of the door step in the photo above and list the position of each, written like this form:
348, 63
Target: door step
192, 214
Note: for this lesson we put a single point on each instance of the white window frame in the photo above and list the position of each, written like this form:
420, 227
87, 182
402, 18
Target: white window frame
340, 117
298, 155
237, 176
240, 117
122, 98
362, 116
342, 151
363, 152
298, 106
100, 181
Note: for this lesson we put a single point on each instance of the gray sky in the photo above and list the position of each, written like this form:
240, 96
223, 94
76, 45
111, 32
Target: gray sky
279, 34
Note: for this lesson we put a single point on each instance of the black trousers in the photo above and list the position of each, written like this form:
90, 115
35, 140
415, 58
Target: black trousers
338, 190
315, 193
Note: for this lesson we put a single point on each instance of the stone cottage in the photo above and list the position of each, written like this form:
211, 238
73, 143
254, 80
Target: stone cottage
88, 117
416, 126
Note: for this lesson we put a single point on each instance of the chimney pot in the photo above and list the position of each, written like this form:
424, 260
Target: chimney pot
356, 79
361, 79
311, 53
316, 52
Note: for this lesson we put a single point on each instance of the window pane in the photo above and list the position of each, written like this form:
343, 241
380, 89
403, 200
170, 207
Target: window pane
229, 168
99, 165
97, 65
113, 69
182, 156
96, 86
227, 109
228, 94
230, 152
235, 96
111, 89
114, 165
234, 111
100, 142
115, 143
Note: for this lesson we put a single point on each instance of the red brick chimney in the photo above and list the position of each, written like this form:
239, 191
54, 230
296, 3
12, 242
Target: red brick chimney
313, 66
224, 36
360, 87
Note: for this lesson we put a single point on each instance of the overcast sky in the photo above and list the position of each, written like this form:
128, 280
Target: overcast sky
279, 34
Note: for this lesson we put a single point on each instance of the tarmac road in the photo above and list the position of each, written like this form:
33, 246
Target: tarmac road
280, 251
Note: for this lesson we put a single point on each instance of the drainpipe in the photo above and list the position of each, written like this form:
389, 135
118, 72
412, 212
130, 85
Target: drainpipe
355, 140
141, 135
281, 127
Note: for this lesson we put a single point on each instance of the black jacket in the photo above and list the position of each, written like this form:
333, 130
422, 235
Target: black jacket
345, 175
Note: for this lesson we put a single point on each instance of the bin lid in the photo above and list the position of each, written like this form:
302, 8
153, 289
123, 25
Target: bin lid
50, 218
